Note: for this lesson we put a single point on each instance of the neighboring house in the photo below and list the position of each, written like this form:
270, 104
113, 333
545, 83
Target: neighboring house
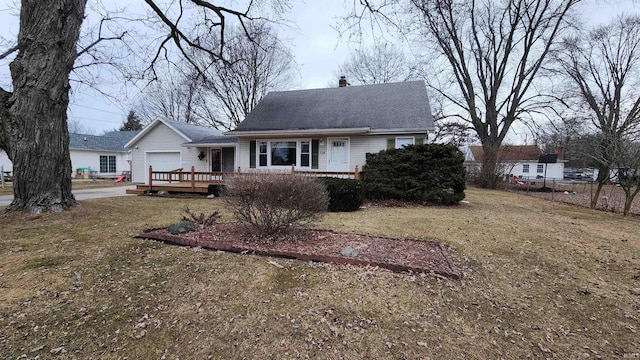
169, 145
522, 161
103, 156
331, 130
97, 155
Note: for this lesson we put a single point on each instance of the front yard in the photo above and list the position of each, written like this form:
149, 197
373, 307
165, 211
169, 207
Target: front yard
542, 280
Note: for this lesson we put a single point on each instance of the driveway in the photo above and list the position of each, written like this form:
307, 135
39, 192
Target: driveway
85, 194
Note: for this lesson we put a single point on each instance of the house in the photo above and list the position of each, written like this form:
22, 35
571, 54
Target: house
521, 161
319, 130
93, 155
167, 145
332, 129
101, 156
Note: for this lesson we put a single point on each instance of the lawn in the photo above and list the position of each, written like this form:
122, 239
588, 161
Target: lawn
543, 280
75, 184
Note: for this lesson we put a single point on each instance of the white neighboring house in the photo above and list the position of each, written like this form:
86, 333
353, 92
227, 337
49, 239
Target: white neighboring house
94, 155
518, 161
169, 145
103, 156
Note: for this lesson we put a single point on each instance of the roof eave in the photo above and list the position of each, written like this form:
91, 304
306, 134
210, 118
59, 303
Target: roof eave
148, 128
209, 144
400, 131
299, 132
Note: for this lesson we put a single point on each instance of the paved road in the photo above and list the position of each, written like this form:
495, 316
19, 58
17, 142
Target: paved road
84, 194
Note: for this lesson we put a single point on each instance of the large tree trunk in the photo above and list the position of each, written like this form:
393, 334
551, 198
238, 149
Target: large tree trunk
603, 178
489, 174
37, 137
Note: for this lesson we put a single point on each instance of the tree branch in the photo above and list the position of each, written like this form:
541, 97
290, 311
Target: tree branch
9, 52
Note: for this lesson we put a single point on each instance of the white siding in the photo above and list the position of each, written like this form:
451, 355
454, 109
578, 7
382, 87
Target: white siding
83, 159
160, 138
554, 171
359, 147
91, 159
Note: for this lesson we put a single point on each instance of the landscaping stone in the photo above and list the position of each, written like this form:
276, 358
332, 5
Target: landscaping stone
182, 227
349, 251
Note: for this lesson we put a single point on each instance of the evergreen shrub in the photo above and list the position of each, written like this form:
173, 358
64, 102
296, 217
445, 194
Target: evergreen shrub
344, 194
429, 173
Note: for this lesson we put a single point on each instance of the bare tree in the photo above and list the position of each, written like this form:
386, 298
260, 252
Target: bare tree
223, 94
603, 67
494, 51
75, 126
33, 114
175, 95
574, 135
381, 63
627, 170
256, 67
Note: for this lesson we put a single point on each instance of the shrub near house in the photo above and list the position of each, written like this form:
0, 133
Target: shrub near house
432, 173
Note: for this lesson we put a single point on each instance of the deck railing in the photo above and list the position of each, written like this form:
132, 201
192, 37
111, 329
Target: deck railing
192, 177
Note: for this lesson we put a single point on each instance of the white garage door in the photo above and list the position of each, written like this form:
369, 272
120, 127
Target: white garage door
164, 161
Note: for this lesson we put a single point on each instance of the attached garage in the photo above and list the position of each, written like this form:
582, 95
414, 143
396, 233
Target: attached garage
164, 161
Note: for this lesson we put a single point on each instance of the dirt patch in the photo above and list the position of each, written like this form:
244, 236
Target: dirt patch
398, 255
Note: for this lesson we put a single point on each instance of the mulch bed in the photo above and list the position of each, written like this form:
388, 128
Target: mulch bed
398, 255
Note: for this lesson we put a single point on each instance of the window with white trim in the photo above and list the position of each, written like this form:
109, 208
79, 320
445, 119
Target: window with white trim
540, 168
275, 153
404, 141
305, 153
283, 153
525, 168
262, 153
107, 164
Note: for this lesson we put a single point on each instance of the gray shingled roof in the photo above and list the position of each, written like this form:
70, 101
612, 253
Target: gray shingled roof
381, 106
223, 139
194, 132
111, 141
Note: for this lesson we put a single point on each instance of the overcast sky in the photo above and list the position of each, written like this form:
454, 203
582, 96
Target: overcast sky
315, 45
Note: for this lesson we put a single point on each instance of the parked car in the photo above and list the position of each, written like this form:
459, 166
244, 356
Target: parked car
574, 174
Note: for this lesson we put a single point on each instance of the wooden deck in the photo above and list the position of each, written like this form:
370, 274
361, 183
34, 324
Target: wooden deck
176, 187
179, 181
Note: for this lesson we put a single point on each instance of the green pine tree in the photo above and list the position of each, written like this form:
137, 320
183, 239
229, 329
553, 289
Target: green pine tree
132, 123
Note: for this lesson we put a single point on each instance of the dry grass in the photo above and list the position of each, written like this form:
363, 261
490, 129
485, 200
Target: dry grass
75, 184
545, 280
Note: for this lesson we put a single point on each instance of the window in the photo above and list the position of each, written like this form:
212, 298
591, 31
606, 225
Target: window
305, 149
107, 164
263, 154
283, 153
540, 168
525, 168
274, 153
403, 141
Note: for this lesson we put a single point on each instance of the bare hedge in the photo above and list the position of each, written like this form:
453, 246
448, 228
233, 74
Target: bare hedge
272, 202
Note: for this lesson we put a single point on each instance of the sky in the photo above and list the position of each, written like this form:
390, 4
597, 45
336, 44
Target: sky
314, 42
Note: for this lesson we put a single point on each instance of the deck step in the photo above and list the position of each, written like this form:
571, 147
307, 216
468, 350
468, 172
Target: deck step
134, 191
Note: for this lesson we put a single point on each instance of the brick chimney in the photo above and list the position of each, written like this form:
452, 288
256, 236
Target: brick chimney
343, 81
560, 152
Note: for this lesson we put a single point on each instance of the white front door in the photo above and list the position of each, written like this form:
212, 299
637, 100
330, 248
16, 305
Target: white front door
338, 154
